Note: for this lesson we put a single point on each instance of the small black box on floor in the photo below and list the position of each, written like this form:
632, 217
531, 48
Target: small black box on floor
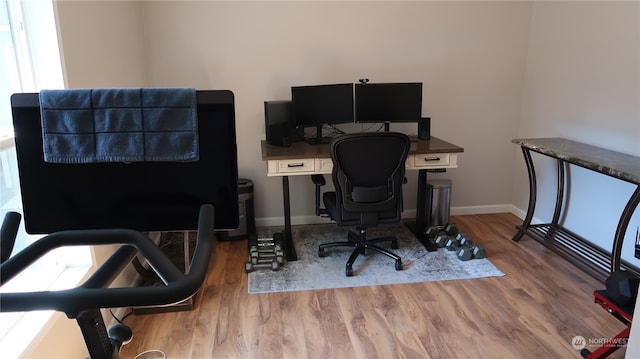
247, 221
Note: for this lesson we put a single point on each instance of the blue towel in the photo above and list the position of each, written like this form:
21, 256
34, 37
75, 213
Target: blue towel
119, 125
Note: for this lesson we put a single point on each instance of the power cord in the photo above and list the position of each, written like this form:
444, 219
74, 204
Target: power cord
123, 318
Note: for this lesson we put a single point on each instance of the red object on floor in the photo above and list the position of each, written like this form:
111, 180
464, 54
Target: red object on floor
623, 314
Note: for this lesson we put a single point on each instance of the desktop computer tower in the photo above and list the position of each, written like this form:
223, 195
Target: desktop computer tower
278, 124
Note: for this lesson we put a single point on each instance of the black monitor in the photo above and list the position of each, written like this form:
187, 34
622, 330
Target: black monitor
388, 102
143, 196
315, 106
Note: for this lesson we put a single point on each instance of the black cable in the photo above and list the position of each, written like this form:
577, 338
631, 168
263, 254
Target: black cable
334, 131
370, 127
123, 318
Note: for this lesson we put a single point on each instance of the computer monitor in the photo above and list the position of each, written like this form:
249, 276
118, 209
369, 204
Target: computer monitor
143, 196
315, 106
388, 102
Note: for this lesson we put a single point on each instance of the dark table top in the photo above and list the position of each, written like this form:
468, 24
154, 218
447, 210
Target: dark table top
615, 164
305, 150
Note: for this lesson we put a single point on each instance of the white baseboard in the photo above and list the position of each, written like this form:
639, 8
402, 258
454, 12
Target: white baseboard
295, 220
408, 214
498, 208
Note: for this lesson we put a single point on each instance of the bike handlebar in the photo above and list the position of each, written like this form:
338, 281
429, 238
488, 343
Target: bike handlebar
8, 230
93, 292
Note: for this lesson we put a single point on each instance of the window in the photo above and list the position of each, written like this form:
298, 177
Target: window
29, 61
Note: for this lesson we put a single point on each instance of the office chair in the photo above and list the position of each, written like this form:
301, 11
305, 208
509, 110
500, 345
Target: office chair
117, 203
368, 174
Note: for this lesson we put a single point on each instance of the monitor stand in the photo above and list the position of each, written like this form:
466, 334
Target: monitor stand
318, 139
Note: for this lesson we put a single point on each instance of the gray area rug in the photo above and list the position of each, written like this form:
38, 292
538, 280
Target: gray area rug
311, 272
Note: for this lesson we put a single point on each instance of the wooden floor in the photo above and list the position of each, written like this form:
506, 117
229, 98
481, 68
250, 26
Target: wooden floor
534, 311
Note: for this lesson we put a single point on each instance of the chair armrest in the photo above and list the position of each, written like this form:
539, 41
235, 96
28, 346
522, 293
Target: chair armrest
319, 181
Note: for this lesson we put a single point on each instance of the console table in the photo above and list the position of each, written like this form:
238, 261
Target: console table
569, 245
301, 158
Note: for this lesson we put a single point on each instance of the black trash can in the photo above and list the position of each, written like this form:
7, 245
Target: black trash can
247, 221
440, 202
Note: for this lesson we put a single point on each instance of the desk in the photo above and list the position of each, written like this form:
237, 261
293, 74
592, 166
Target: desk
569, 245
302, 158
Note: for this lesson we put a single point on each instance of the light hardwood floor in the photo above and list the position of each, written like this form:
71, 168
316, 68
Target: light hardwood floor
532, 312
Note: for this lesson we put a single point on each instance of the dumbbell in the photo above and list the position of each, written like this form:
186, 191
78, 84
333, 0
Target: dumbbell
452, 244
478, 252
464, 239
467, 250
463, 252
451, 229
431, 232
441, 240
250, 266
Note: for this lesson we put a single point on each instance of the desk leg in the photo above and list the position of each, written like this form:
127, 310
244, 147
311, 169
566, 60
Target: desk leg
622, 229
421, 222
289, 248
532, 195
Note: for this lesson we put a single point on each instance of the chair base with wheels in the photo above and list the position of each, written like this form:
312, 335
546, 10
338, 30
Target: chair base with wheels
361, 244
368, 174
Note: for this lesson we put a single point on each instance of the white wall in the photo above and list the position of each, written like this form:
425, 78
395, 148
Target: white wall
582, 82
102, 43
469, 55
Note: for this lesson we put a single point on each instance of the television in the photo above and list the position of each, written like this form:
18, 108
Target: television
143, 196
388, 102
315, 106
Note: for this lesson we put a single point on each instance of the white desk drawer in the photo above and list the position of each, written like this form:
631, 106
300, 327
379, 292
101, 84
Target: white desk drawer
294, 166
431, 160
324, 165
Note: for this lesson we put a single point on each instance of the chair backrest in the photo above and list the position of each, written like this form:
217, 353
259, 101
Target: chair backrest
368, 173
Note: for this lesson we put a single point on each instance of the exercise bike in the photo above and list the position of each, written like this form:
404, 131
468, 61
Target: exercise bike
83, 303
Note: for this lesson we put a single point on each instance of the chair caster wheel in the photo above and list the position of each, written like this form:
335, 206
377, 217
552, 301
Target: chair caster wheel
399, 265
349, 272
321, 252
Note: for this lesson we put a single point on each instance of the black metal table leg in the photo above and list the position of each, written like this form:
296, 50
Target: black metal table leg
532, 195
559, 199
631, 206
